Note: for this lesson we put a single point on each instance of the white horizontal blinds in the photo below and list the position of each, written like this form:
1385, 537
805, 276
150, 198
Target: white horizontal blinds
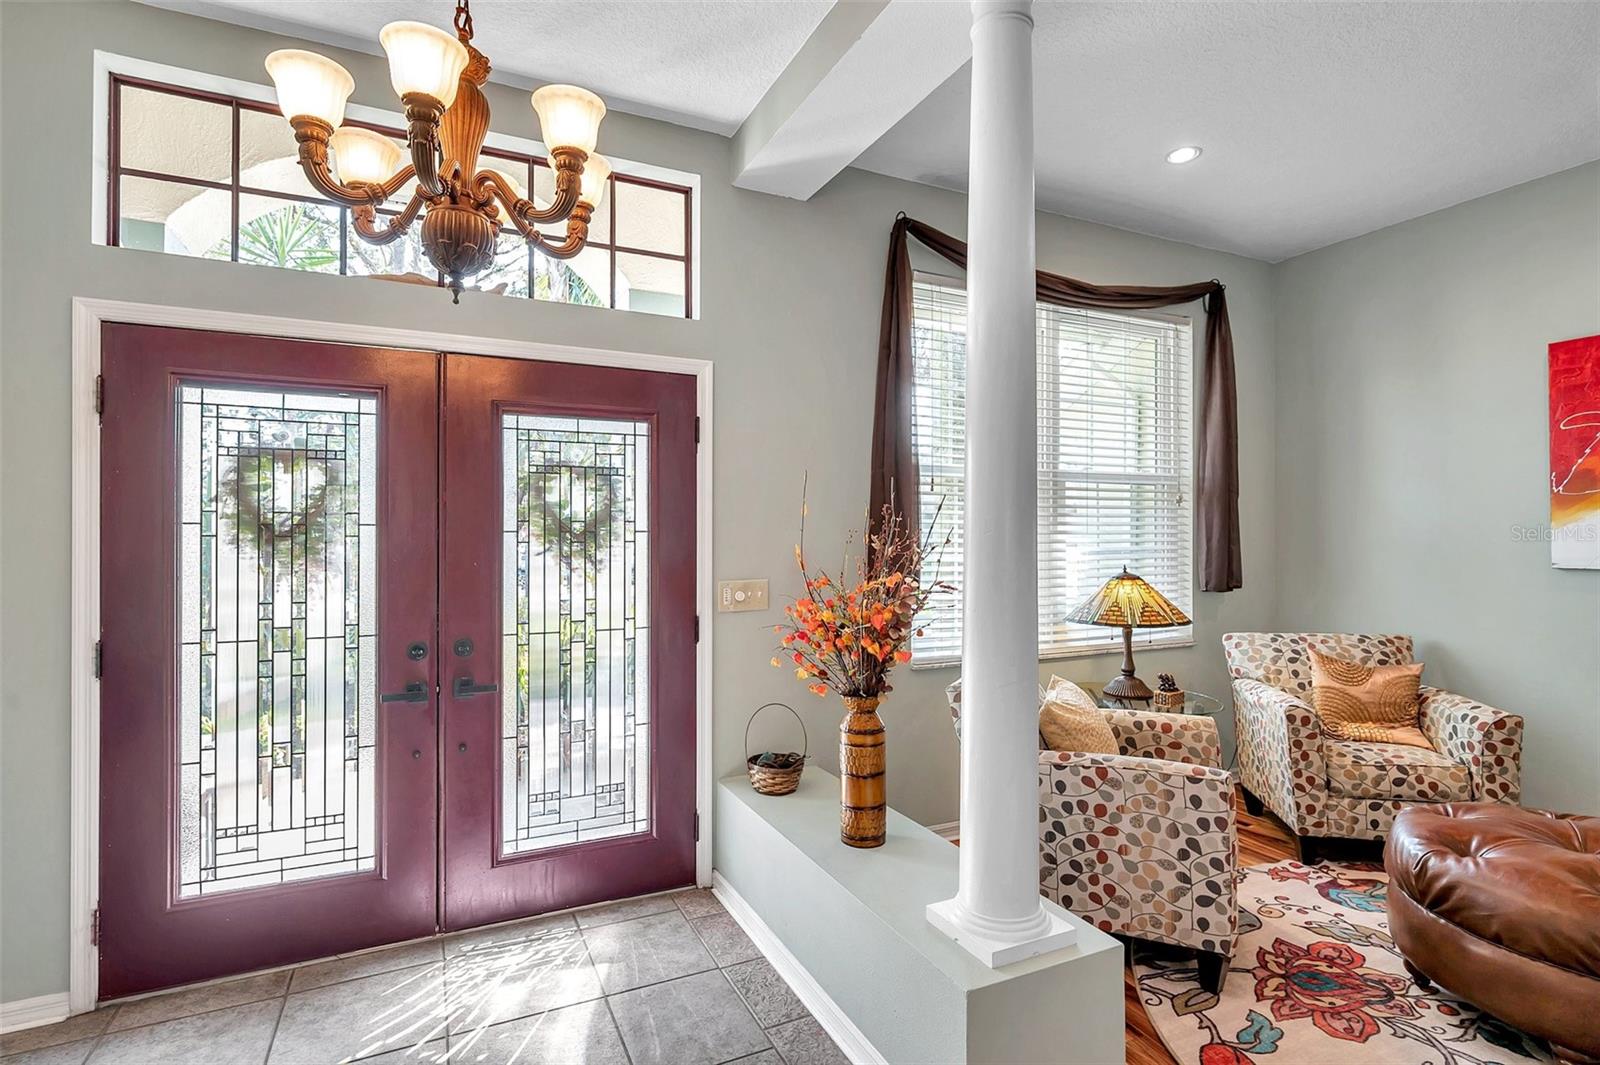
938, 421
1114, 467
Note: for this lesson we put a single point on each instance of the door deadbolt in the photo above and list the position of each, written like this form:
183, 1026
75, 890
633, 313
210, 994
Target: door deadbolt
417, 652
463, 648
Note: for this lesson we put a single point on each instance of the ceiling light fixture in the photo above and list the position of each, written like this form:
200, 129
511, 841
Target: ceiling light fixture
437, 78
1187, 154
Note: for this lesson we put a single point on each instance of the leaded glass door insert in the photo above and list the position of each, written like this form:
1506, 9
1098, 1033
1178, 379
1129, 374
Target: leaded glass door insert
567, 605
576, 755
277, 615
269, 551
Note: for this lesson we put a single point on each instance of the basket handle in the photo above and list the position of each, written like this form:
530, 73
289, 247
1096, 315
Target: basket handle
805, 739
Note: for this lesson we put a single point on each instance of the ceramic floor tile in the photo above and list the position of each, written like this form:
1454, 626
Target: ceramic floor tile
697, 1020
199, 1000
362, 1018
238, 1034
335, 970
725, 940
478, 938
646, 951
83, 1026
803, 1042
583, 1033
625, 910
60, 1054
516, 978
434, 1053
765, 992
697, 903
764, 1057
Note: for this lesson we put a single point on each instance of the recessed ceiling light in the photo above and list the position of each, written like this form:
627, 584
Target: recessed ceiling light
1187, 154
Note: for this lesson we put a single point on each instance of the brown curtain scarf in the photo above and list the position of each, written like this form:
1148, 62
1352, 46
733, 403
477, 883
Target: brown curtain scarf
894, 465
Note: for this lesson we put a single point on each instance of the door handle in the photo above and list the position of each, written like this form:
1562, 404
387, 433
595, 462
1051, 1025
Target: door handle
464, 688
415, 692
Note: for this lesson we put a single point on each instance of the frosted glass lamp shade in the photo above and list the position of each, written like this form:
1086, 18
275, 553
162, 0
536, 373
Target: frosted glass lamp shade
423, 58
361, 156
310, 84
569, 117
596, 170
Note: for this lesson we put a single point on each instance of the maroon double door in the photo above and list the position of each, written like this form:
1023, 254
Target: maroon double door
394, 642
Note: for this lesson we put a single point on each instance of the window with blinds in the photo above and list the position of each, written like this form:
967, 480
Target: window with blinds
1114, 461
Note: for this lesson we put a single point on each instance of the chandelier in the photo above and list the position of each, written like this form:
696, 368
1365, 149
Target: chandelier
438, 77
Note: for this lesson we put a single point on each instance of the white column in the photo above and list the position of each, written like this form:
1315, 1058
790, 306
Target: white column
997, 913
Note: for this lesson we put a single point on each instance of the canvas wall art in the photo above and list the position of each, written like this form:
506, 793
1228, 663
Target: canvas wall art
1575, 453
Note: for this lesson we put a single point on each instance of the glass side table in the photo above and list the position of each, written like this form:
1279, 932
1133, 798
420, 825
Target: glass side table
1193, 702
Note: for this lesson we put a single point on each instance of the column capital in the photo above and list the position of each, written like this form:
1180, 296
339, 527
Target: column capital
985, 9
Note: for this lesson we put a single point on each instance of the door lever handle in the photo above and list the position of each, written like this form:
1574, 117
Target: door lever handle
415, 692
464, 687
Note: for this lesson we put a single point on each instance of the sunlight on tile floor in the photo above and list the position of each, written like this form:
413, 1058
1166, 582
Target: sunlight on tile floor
668, 979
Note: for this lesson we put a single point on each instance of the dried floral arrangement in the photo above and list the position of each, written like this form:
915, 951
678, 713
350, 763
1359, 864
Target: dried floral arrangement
847, 636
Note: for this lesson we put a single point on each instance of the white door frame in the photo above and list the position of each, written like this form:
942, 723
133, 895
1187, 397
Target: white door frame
87, 317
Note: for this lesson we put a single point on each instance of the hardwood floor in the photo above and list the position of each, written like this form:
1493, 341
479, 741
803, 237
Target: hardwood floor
1262, 840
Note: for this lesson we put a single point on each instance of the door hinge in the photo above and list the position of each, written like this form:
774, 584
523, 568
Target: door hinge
100, 393
697, 430
94, 927
697, 628
99, 658
696, 831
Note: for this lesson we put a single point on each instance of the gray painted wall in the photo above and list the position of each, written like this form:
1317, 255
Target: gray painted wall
1412, 449
790, 303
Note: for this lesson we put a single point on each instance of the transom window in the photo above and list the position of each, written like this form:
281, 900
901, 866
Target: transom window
1114, 460
218, 177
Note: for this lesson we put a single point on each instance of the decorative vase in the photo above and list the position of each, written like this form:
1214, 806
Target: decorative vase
861, 773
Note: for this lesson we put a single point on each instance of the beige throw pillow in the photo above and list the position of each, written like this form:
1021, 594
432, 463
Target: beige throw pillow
1069, 720
1371, 704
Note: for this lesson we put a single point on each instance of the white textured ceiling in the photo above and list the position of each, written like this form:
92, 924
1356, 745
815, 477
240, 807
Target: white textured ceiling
700, 63
1320, 121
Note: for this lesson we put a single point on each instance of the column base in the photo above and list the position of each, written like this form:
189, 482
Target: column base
994, 947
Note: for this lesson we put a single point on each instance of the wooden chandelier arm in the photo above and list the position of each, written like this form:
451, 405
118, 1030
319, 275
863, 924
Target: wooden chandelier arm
577, 234
365, 217
312, 135
568, 166
577, 231
423, 114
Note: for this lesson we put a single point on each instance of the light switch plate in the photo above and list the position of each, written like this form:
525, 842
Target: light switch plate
741, 595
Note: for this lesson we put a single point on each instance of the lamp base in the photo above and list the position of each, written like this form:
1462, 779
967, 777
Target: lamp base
1128, 686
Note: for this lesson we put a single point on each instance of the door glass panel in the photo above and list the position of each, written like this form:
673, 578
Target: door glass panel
277, 623
575, 741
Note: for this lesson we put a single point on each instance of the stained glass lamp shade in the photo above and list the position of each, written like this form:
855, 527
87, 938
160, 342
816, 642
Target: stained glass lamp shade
1127, 602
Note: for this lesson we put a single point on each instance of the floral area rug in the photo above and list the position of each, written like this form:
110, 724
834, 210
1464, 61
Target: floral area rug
1316, 980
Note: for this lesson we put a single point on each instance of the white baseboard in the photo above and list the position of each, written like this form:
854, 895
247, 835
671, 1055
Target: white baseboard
950, 830
33, 1012
834, 1020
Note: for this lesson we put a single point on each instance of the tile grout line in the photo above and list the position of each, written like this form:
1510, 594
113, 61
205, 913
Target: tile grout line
283, 1006
626, 1053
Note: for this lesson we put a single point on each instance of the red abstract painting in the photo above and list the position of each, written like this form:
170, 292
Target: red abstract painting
1575, 453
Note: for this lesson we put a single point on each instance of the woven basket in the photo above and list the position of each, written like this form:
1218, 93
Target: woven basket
1171, 701
774, 780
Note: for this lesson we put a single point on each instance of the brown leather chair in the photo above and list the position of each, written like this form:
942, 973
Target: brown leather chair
1501, 906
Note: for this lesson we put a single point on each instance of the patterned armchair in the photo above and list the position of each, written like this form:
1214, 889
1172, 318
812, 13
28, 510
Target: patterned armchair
1324, 787
1143, 843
